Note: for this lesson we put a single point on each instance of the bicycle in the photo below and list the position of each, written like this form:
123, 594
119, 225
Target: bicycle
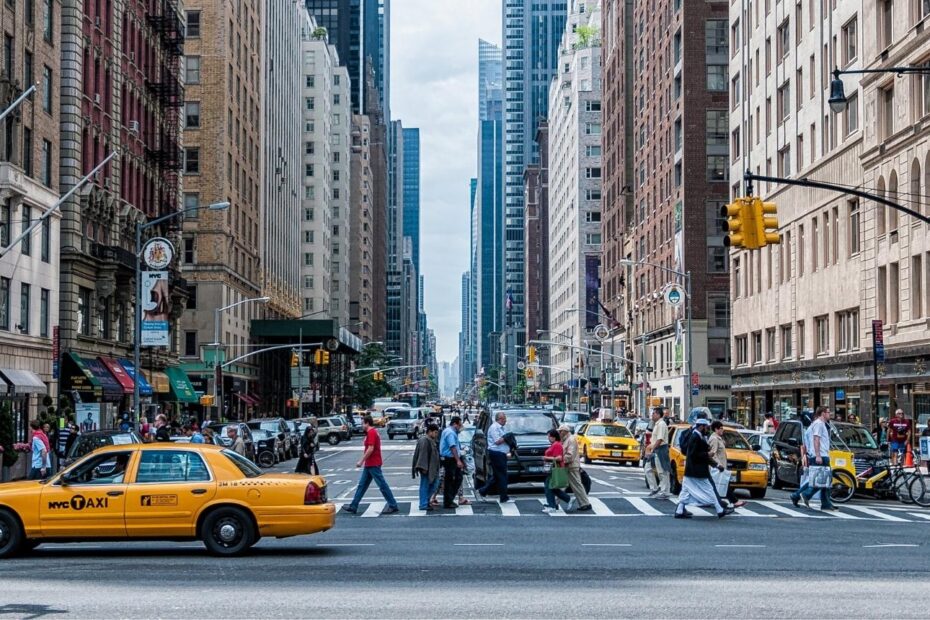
882, 479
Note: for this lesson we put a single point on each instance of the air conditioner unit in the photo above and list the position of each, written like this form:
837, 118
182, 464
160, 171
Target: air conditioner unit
134, 126
97, 21
97, 98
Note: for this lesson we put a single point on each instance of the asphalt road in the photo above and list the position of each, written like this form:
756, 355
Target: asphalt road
522, 564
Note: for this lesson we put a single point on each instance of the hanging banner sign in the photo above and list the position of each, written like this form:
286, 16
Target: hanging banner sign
155, 307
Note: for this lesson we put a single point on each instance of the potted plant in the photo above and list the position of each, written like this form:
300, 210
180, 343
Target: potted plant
8, 454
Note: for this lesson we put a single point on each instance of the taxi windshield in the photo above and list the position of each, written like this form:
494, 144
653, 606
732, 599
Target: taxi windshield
735, 441
855, 437
607, 431
247, 467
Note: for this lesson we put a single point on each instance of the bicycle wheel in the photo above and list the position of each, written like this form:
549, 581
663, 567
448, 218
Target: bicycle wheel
901, 487
844, 487
920, 492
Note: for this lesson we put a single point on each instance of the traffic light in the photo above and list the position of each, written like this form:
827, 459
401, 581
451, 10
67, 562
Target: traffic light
766, 227
531, 354
295, 361
426, 373
379, 376
325, 357
740, 225
528, 373
207, 400
318, 357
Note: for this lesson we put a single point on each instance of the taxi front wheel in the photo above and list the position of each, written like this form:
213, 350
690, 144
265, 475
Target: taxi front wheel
11, 535
227, 531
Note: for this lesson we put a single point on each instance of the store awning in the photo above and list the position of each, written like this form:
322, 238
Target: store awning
22, 382
144, 388
119, 373
112, 390
181, 386
248, 400
256, 400
158, 380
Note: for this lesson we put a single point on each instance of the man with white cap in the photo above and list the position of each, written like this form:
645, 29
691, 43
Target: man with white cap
573, 463
697, 488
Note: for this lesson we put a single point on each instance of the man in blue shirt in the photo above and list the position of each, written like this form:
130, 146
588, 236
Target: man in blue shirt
450, 455
498, 449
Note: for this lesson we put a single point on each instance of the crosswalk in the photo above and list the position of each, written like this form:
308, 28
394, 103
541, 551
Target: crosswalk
633, 507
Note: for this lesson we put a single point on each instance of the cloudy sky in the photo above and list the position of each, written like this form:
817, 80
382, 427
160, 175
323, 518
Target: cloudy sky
434, 86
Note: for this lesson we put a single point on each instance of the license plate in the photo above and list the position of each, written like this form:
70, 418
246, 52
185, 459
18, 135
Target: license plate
616, 453
535, 469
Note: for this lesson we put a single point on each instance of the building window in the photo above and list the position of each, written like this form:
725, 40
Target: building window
46, 171
718, 312
189, 254
4, 303
192, 70
310, 81
192, 160
47, 85
26, 244
894, 288
25, 295
717, 130
192, 114
190, 344
802, 348
83, 311
917, 275
850, 41
592, 129
735, 92
46, 239
742, 351
822, 334
757, 347
886, 98
770, 349
716, 259
592, 173
27, 152
783, 102
593, 150
885, 23
786, 342
716, 79
592, 106
783, 41
852, 113
737, 276
718, 351
847, 331
28, 63
191, 296
44, 295
718, 168
193, 24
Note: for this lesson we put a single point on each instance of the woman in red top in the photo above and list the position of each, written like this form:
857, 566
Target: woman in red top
553, 456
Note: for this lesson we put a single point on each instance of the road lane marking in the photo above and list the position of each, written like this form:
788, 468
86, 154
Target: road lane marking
883, 545
415, 510
606, 545
509, 509
920, 515
643, 506
464, 511
875, 513
478, 544
788, 511
749, 513
346, 545
600, 508
741, 546
374, 509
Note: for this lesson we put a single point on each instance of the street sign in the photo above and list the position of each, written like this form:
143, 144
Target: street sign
649, 369
521, 366
674, 296
695, 391
878, 332
695, 379
879, 353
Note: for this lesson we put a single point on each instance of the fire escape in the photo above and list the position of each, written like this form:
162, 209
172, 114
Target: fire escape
166, 88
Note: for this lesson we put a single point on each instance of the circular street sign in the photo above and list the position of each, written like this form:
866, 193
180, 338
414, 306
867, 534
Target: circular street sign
332, 344
602, 332
520, 365
674, 296
158, 253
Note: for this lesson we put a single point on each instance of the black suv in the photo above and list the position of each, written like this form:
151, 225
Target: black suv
785, 464
529, 426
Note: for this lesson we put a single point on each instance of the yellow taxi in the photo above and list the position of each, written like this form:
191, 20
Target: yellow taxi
748, 468
163, 492
605, 441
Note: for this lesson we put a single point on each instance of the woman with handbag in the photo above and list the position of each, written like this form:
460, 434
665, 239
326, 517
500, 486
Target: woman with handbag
306, 464
557, 479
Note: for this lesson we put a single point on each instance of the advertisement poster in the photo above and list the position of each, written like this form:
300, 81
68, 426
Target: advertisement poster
592, 266
156, 303
87, 416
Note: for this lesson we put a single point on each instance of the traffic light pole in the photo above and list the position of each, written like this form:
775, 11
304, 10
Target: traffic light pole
749, 177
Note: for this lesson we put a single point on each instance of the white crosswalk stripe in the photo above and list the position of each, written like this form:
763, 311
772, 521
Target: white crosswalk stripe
642, 507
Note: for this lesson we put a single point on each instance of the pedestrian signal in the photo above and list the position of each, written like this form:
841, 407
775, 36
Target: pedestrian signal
531, 354
318, 357
295, 361
207, 400
325, 357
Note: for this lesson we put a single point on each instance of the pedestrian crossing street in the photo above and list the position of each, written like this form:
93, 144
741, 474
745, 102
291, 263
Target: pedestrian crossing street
641, 507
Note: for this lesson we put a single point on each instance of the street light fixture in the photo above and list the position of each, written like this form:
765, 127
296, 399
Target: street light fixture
217, 368
137, 349
838, 101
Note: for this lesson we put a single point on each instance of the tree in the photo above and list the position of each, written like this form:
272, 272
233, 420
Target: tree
587, 36
7, 436
319, 33
366, 389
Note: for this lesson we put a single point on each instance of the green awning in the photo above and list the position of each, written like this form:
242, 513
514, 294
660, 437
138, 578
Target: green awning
181, 387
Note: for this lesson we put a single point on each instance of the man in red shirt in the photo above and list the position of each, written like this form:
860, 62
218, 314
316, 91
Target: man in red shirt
371, 460
899, 431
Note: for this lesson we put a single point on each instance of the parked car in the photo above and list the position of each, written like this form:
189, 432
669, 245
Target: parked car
219, 431
406, 422
846, 461
267, 447
390, 412
332, 430
279, 427
529, 427
91, 440
293, 428
760, 442
347, 422
574, 419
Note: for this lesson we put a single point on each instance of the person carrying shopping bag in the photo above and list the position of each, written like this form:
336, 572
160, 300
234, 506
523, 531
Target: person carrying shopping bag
557, 478
573, 464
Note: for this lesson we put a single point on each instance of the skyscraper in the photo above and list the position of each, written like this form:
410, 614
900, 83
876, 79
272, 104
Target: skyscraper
394, 341
532, 31
488, 276
411, 189
490, 77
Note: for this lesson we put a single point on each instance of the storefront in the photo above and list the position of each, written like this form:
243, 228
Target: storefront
95, 393
182, 392
20, 390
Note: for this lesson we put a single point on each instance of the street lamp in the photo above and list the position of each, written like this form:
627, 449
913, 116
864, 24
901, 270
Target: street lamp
217, 369
686, 275
838, 101
137, 352
571, 360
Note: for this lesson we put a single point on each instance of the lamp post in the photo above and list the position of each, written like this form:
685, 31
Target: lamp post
838, 101
137, 349
217, 368
686, 276
571, 358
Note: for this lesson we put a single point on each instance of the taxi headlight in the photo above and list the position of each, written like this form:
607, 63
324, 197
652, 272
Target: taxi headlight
757, 467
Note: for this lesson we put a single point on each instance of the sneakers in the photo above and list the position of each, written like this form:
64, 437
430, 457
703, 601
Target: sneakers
683, 515
653, 493
807, 502
585, 508
571, 505
659, 495
831, 508
390, 510
726, 512
350, 509
795, 499
549, 510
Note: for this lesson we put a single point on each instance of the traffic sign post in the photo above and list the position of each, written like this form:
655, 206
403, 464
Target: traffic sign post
878, 357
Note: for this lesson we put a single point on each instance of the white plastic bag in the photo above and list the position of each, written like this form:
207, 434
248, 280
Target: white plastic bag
721, 481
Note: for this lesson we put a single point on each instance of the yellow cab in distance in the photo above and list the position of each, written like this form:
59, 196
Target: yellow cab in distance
747, 467
606, 441
163, 492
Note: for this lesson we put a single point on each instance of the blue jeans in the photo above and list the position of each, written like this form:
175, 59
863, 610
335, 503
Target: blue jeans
551, 494
498, 478
427, 489
807, 491
369, 474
